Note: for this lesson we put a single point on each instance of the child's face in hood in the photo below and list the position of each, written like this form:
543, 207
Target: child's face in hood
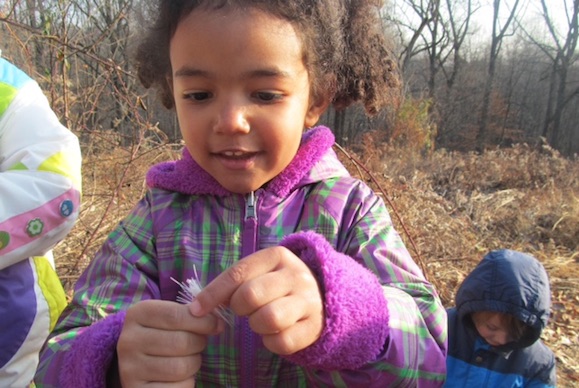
493, 327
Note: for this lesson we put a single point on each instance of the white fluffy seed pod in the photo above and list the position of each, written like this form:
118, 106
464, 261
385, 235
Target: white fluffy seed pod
189, 290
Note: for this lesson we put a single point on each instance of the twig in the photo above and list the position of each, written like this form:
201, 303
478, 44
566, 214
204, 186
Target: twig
359, 165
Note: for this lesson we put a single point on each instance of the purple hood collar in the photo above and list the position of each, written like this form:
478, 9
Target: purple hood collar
187, 177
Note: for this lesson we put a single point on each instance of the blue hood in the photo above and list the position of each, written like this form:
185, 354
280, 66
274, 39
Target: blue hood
508, 282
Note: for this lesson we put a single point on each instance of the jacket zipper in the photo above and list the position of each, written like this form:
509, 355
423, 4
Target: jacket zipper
249, 237
249, 246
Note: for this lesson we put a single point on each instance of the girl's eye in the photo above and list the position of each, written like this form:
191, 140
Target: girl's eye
197, 96
267, 96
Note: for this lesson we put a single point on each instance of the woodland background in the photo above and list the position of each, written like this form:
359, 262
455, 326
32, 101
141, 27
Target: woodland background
481, 155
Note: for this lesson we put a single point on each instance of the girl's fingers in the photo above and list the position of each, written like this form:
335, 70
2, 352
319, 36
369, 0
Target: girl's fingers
258, 292
278, 316
277, 291
295, 338
169, 343
221, 289
162, 369
172, 316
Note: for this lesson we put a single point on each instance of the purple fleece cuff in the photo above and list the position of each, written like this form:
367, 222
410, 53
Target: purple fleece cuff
356, 312
87, 362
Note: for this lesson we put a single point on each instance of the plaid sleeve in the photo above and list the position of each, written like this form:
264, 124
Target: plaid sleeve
122, 273
414, 353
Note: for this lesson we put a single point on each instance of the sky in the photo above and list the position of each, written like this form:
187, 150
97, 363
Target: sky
530, 14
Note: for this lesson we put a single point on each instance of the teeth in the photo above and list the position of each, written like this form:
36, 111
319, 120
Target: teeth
233, 153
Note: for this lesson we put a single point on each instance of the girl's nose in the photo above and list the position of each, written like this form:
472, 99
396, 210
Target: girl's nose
232, 118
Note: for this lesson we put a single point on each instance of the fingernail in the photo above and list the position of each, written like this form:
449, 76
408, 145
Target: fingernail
195, 308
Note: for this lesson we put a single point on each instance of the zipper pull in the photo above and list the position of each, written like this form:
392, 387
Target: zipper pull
250, 206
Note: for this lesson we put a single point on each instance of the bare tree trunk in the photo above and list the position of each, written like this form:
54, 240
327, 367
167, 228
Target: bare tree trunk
547, 127
498, 33
459, 30
434, 50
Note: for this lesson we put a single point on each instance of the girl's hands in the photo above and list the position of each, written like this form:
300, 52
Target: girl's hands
278, 293
160, 344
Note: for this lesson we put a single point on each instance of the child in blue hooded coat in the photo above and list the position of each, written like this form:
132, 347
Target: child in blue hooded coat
493, 332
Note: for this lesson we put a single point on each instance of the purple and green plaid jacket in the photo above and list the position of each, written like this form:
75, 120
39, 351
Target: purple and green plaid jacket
384, 323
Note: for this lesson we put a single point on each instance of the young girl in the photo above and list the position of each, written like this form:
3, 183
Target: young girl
322, 289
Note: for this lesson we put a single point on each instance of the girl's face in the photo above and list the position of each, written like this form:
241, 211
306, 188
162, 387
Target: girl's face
242, 94
492, 326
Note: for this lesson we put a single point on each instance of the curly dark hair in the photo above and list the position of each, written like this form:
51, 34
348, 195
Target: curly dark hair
345, 50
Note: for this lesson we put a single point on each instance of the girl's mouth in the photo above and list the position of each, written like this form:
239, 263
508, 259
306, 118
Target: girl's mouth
235, 154
237, 160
